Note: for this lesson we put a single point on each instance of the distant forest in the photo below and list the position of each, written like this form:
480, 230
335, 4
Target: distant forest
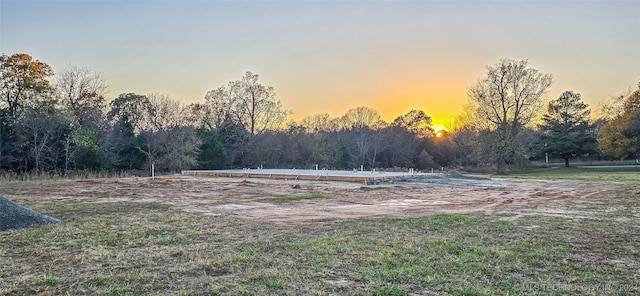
63, 123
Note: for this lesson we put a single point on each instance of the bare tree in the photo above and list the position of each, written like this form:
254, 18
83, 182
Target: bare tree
317, 123
363, 124
164, 113
218, 108
249, 103
362, 117
171, 144
202, 115
82, 92
612, 107
505, 100
399, 146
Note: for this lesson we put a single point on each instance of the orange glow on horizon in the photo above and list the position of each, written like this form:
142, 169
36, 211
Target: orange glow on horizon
440, 99
438, 128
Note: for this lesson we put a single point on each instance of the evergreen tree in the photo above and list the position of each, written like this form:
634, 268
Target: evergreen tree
566, 130
212, 154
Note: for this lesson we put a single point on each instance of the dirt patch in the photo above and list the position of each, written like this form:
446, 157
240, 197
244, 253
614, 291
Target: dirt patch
341, 200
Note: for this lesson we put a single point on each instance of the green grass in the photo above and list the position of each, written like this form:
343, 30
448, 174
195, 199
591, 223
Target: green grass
618, 174
45, 281
292, 198
390, 290
135, 248
273, 282
99, 280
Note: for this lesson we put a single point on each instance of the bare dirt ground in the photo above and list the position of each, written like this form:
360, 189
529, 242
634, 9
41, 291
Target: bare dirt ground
341, 200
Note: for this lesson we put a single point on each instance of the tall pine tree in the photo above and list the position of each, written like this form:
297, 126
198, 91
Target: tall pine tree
566, 130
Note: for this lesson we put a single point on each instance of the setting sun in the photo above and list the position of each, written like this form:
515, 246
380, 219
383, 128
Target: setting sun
439, 130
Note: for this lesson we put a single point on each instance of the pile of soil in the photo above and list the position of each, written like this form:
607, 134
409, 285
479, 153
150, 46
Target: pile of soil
15, 216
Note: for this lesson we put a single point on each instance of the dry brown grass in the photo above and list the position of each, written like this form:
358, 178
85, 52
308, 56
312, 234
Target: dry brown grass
113, 246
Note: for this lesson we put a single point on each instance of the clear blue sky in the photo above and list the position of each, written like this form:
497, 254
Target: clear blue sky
332, 56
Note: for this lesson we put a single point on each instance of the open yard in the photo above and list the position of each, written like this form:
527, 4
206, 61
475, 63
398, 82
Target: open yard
565, 232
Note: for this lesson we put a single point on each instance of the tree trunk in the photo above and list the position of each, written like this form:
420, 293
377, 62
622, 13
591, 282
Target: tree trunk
501, 150
566, 162
500, 166
67, 147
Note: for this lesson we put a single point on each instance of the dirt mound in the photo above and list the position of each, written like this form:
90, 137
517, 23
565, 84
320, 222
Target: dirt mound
15, 216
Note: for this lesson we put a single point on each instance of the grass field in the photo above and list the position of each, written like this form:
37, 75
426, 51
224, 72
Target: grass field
621, 174
135, 248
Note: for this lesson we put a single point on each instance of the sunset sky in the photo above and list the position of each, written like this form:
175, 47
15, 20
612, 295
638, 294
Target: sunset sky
328, 57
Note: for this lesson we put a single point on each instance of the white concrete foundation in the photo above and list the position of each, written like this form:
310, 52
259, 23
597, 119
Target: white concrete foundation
295, 174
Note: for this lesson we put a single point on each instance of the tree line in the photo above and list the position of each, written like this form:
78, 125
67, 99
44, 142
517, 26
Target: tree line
64, 123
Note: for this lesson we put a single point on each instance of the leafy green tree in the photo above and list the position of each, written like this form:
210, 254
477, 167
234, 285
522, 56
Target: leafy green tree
7, 139
124, 140
160, 129
177, 148
122, 145
322, 151
344, 156
88, 150
234, 139
443, 149
566, 131
400, 147
212, 155
41, 135
417, 122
